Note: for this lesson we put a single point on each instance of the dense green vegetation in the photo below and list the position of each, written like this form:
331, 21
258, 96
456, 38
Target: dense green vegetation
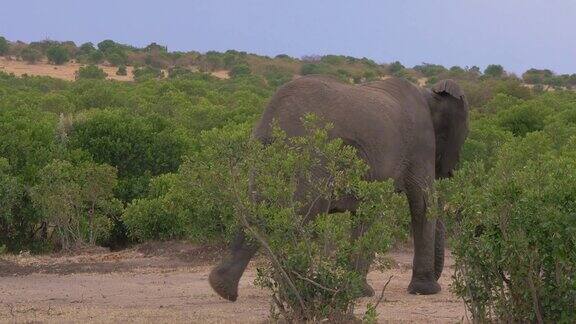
153, 60
103, 162
512, 211
138, 135
91, 72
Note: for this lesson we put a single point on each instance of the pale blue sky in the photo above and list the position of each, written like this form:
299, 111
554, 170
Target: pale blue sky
518, 34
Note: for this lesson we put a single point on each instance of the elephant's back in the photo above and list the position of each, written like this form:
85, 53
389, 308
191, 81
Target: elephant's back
378, 123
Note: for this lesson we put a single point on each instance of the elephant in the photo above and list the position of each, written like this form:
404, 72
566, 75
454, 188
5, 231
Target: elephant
410, 134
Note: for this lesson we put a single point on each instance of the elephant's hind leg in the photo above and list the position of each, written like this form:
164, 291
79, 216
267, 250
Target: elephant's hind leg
424, 280
362, 261
439, 248
225, 276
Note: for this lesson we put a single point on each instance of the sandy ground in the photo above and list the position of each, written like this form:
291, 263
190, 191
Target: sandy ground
67, 71
167, 282
222, 74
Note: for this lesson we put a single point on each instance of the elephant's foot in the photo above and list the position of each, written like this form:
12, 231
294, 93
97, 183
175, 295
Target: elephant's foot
222, 285
367, 290
421, 287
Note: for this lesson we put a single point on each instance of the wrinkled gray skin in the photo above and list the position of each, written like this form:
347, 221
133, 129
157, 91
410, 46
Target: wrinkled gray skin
407, 133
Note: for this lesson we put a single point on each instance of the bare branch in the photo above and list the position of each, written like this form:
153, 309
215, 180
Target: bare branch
382, 292
314, 282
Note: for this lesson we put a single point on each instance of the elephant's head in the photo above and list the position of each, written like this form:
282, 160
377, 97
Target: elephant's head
449, 110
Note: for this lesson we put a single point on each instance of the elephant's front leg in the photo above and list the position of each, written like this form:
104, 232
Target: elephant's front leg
225, 276
423, 228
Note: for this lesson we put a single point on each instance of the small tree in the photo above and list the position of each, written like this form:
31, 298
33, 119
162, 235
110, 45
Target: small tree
240, 70
494, 71
86, 48
95, 57
91, 72
57, 54
57, 196
30, 55
395, 67
122, 70
97, 183
116, 57
147, 73
4, 46
314, 68
107, 45
77, 200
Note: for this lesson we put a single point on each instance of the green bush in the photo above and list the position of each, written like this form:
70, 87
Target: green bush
192, 198
494, 71
4, 46
138, 147
515, 246
512, 214
91, 72
57, 54
56, 103
86, 48
30, 55
430, 70
276, 76
122, 70
240, 70
147, 73
395, 68
95, 57
149, 219
116, 57
313, 68
77, 201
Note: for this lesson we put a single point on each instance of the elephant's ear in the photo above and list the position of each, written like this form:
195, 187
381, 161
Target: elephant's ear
448, 87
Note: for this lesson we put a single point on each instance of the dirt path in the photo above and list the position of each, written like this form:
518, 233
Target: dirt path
167, 282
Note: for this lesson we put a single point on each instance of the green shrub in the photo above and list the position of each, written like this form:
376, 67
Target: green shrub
148, 219
4, 46
91, 72
122, 70
514, 247
138, 147
107, 45
313, 68
494, 71
116, 57
95, 57
276, 76
86, 48
240, 70
30, 55
57, 54
430, 70
147, 73
523, 119
395, 68
56, 103
76, 200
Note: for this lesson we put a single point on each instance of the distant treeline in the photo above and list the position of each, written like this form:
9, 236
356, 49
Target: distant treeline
152, 59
